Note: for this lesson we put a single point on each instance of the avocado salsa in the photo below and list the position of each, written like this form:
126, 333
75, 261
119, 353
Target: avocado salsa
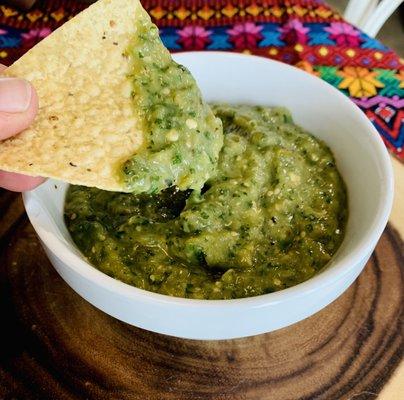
271, 216
183, 137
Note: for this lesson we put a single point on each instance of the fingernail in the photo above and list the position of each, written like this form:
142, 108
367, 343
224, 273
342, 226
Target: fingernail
15, 95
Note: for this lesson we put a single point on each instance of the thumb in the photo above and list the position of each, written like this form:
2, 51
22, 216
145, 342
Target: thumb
18, 106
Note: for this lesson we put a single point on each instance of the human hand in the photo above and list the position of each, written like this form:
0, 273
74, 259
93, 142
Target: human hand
18, 107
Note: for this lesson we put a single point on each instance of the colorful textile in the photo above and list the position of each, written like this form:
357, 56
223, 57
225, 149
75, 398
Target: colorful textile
305, 33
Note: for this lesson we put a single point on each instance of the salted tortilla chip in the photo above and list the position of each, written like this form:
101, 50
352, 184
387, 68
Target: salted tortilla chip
87, 125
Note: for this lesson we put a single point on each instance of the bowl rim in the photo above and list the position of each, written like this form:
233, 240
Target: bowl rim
324, 278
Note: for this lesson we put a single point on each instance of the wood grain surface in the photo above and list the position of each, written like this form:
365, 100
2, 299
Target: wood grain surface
55, 345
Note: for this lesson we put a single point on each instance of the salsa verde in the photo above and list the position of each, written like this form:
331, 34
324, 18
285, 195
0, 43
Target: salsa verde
271, 216
183, 137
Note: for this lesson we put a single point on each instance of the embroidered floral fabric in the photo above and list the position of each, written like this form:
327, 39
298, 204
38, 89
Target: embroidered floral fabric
305, 33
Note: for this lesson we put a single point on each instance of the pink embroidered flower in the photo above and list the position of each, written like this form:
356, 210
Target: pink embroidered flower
34, 36
245, 35
194, 37
294, 32
344, 34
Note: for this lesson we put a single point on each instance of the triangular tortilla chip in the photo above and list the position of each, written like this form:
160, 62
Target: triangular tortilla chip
82, 122
88, 124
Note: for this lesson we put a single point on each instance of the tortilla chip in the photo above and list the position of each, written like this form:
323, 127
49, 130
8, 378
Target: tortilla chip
86, 126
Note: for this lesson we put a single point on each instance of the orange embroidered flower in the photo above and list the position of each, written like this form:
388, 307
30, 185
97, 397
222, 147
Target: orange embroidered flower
277, 11
323, 12
229, 10
158, 12
34, 15
253, 9
299, 10
182, 13
8, 11
359, 81
59, 14
206, 12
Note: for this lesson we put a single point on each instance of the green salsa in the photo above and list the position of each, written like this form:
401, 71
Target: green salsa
183, 137
271, 216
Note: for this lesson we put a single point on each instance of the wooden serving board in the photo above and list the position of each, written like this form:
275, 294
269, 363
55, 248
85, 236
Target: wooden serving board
55, 345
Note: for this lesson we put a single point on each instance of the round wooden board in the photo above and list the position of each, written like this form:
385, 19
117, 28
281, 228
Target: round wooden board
57, 346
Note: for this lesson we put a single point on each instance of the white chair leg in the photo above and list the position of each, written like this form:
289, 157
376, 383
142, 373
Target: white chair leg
372, 24
368, 12
356, 10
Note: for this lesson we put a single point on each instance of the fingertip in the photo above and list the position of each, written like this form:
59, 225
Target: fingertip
18, 182
12, 123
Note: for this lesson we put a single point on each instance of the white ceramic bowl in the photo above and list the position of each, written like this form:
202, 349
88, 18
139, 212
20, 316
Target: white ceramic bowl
361, 158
